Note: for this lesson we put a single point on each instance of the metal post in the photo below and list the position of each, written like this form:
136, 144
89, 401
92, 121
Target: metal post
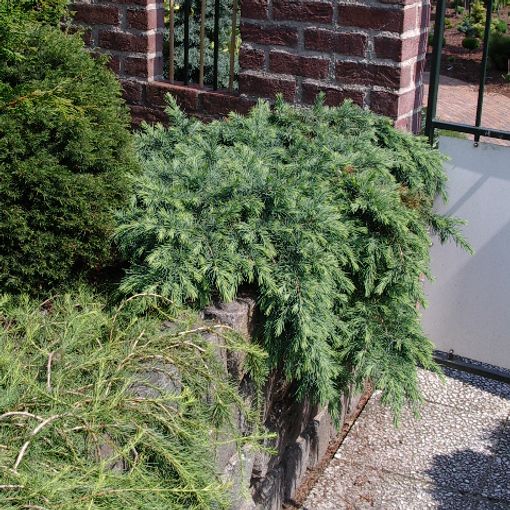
483, 71
202, 43
171, 41
435, 68
216, 42
187, 9
233, 41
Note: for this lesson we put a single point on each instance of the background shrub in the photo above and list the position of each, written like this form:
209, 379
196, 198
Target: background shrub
65, 153
224, 37
44, 11
499, 51
323, 212
499, 25
470, 43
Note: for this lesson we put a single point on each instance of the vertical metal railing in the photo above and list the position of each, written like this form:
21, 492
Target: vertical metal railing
483, 73
203, 6
203, 42
187, 9
435, 71
216, 42
432, 123
171, 48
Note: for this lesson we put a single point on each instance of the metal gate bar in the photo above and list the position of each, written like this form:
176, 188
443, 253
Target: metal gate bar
450, 360
432, 122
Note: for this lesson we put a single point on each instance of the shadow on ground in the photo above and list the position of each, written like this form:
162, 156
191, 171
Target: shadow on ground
491, 490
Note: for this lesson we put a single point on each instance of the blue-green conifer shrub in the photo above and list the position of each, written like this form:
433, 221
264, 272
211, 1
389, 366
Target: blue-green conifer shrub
324, 213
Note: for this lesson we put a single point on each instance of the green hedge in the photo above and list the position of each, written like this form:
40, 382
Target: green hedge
65, 155
324, 213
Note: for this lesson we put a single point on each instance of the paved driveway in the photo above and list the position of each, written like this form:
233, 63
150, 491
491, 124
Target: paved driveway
456, 457
457, 102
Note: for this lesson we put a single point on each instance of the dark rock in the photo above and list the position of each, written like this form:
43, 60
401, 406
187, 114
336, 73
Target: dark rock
238, 315
155, 379
105, 452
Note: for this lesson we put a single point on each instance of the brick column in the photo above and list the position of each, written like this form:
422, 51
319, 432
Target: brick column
370, 51
131, 33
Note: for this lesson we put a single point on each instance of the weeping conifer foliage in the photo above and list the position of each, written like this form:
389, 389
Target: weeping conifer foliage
325, 212
84, 422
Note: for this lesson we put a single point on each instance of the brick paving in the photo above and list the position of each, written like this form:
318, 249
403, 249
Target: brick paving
457, 103
455, 457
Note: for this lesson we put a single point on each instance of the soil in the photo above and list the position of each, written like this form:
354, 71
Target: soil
462, 64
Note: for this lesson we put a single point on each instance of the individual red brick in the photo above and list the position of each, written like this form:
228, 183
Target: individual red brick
400, 49
145, 19
222, 103
391, 20
188, 97
395, 105
345, 43
373, 74
265, 85
283, 62
423, 16
254, 9
96, 14
251, 58
296, 10
411, 123
114, 64
122, 41
419, 68
131, 91
146, 3
141, 114
334, 95
136, 43
278, 36
143, 67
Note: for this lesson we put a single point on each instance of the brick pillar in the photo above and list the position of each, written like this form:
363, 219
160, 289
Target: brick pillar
130, 32
371, 51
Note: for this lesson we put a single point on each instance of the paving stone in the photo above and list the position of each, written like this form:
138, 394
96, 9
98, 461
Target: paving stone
457, 103
466, 392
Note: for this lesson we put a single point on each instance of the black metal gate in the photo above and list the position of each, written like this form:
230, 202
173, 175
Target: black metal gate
432, 122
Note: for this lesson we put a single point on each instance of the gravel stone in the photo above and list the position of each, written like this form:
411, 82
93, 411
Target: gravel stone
455, 456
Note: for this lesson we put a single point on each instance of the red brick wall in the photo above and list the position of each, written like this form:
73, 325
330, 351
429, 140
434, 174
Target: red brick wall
130, 32
370, 51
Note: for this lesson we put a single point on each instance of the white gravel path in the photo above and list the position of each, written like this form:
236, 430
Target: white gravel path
455, 457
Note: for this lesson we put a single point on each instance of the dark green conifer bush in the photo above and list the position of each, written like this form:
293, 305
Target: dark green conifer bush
65, 153
44, 11
499, 51
69, 366
325, 212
